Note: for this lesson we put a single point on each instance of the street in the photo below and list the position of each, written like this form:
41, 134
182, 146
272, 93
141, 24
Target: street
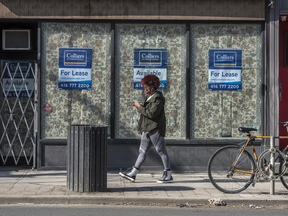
95, 210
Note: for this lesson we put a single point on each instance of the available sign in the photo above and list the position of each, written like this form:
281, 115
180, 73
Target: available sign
225, 69
75, 68
150, 61
21, 81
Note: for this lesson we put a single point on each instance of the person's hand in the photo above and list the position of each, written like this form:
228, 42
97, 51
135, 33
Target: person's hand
137, 105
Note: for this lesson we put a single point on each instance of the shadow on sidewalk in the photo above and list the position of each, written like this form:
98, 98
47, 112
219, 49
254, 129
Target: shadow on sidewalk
192, 181
7, 174
153, 188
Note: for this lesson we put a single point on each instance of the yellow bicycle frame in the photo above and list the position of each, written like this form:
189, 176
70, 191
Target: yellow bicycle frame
255, 156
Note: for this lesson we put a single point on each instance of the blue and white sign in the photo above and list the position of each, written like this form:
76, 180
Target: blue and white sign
26, 68
75, 68
225, 69
150, 61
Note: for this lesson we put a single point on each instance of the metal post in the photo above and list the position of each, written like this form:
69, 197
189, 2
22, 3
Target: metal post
38, 123
35, 115
272, 163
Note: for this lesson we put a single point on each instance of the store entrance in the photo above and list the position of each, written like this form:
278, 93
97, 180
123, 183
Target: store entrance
17, 112
283, 78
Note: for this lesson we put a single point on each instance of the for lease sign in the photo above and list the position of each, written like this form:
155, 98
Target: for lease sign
75, 68
225, 69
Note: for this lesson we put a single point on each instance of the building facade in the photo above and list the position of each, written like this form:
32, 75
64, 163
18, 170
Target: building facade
195, 38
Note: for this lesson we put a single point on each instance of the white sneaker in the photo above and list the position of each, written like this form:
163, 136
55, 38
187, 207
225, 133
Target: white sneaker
166, 177
129, 174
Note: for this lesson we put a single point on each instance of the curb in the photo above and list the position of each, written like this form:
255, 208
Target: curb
123, 200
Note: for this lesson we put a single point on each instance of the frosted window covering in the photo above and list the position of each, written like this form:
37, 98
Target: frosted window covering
75, 106
170, 37
218, 114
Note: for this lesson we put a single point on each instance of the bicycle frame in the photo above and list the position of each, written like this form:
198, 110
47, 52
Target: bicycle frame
251, 139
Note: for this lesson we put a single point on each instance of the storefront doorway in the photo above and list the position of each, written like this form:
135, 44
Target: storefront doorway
283, 77
17, 112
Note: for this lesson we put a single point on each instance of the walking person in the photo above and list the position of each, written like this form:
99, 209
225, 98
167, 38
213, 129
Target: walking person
152, 125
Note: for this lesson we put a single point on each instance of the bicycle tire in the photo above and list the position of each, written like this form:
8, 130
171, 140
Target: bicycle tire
284, 177
264, 166
221, 175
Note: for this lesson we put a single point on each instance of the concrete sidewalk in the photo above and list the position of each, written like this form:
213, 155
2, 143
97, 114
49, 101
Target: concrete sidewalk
49, 187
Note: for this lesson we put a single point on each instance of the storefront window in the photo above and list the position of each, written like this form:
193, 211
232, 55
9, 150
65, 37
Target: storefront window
73, 106
218, 113
130, 38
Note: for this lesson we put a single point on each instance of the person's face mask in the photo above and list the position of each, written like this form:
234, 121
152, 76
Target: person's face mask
147, 90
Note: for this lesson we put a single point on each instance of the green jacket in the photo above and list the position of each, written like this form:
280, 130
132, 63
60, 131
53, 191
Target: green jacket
153, 115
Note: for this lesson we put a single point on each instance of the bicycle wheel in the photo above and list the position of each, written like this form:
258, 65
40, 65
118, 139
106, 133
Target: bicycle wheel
220, 170
284, 177
265, 167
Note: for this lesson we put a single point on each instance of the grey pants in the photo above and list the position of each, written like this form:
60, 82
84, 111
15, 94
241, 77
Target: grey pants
147, 140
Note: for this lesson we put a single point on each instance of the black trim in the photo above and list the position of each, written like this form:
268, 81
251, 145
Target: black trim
116, 21
39, 46
192, 142
188, 107
20, 54
38, 103
21, 162
112, 86
44, 168
264, 83
53, 142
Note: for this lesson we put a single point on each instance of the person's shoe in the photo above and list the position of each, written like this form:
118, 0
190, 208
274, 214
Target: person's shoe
129, 174
166, 178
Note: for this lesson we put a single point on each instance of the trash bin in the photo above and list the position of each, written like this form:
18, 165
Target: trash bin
87, 158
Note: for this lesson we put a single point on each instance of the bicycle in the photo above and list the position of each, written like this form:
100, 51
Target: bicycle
231, 169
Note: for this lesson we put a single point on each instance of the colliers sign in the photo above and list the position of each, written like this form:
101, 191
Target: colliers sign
224, 69
150, 61
75, 68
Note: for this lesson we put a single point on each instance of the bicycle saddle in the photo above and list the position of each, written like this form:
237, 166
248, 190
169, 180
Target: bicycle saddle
247, 130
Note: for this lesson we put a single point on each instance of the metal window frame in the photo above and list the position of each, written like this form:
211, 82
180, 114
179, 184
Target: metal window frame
38, 138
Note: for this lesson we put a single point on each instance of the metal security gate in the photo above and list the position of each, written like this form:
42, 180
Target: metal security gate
18, 112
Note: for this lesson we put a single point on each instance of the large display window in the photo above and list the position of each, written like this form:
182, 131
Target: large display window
219, 113
132, 39
215, 113
73, 106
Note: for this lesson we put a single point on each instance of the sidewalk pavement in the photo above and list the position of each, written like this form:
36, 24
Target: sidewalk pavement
49, 187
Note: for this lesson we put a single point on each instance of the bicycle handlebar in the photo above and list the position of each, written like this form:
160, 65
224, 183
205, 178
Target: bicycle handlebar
283, 123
